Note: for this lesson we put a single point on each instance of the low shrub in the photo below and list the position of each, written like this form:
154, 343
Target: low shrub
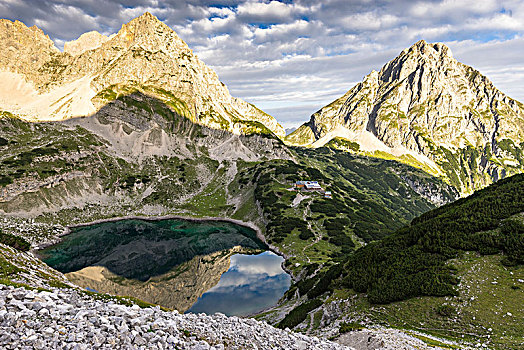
14, 241
446, 310
298, 314
346, 327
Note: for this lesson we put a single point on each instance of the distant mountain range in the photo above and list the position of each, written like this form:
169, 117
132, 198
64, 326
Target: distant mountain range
426, 109
423, 108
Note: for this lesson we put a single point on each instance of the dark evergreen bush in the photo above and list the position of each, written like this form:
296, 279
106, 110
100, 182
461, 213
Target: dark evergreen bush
298, 314
411, 262
14, 241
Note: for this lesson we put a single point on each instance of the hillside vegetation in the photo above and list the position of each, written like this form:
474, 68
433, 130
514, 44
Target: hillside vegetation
371, 198
455, 272
412, 261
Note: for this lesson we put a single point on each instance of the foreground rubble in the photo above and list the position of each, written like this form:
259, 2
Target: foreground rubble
71, 319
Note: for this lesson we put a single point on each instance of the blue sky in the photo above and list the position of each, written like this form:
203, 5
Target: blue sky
292, 57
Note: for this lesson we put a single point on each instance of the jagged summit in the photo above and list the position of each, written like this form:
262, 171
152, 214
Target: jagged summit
145, 55
427, 107
87, 41
23, 48
149, 32
147, 19
422, 47
418, 56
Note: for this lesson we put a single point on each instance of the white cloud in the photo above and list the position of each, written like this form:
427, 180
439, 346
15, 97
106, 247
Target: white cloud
453, 8
222, 12
368, 21
500, 21
263, 264
268, 12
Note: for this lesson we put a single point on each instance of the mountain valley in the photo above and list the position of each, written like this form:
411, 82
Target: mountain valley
415, 239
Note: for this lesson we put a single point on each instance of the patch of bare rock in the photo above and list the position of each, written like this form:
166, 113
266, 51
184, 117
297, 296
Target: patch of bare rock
69, 319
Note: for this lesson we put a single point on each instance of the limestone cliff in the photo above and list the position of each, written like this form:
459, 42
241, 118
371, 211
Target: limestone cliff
87, 41
145, 55
24, 49
426, 107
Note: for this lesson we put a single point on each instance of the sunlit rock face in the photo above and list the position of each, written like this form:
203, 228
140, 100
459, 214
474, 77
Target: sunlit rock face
427, 105
166, 262
87, 41
145, 55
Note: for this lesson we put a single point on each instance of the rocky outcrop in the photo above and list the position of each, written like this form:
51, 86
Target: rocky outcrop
66, 319
427, 105
145, 55
87, 41
24, 49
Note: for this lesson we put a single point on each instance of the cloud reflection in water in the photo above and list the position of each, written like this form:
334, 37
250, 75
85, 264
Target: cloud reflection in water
252, 283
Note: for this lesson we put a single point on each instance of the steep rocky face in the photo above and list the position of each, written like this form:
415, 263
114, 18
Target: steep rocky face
427, 105
180, 157
145, 55
24, 49
87, 41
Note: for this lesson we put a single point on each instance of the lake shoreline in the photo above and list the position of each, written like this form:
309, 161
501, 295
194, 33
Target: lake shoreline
249, 230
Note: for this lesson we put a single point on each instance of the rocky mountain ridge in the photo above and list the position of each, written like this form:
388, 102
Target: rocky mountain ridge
85, 42
146, 55
426, 105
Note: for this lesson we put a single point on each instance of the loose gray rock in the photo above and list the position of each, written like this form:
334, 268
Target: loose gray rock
70, 319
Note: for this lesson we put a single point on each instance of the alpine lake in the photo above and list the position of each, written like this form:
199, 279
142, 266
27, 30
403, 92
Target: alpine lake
191, 266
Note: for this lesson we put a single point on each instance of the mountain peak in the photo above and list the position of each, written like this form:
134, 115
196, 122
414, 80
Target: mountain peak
423, 48
427, 105
87, 41
148, 16
151, 33
145, 55
145, 21
421, 57
31, 45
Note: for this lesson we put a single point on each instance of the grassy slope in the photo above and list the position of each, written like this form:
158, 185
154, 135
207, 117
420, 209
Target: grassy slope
479, 312
484, 307
463, 168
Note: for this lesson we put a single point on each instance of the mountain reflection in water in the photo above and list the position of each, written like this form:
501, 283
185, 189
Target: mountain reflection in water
171, 262
252, 283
